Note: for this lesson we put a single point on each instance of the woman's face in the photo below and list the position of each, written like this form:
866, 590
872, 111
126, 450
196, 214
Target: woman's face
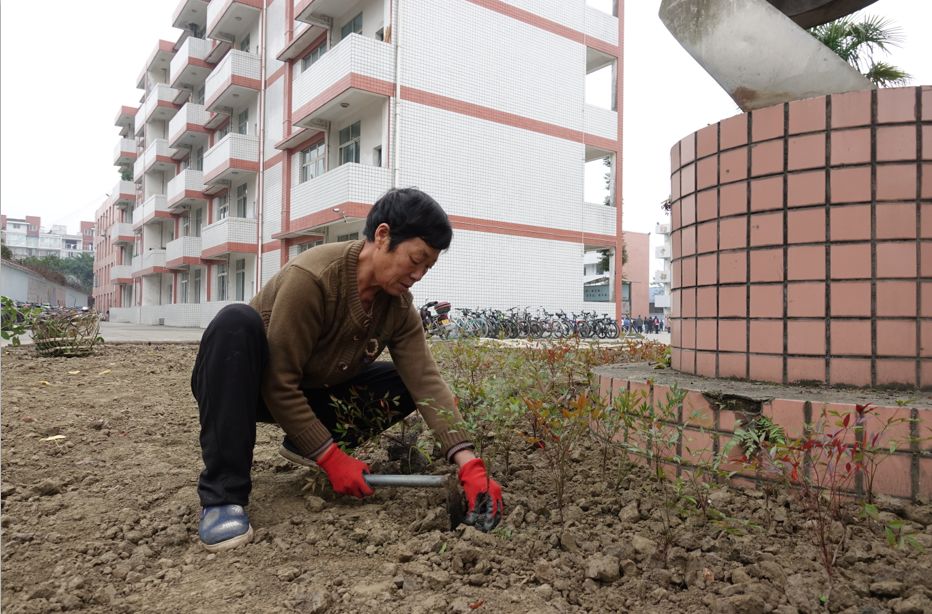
397, 270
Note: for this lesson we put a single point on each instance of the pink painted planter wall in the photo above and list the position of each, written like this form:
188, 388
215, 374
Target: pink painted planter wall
802, 242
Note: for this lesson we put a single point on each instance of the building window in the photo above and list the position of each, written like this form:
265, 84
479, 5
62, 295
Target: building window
313, 55
196, 283
312, 161
239, 269
223, 207
241, 193
353, 26
186, 225
349, 144
244, 44
224, 130
221, 282
242, 122
197, 159
183, 288
198, 222
348, 237
303, 247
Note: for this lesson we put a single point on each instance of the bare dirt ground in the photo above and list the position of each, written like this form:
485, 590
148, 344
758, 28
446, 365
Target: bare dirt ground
99, 513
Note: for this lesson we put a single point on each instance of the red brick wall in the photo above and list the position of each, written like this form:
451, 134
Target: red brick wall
802, 242
637, 271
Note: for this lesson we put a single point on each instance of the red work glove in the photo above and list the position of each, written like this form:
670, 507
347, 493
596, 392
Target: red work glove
344, 472
483, 495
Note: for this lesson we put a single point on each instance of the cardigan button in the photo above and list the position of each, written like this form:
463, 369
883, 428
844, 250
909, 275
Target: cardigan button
355, 337
343, 366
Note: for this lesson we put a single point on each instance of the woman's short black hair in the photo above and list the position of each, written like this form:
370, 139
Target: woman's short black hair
410, 214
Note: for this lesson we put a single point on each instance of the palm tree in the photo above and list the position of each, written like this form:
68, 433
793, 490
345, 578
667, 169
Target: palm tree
856, 42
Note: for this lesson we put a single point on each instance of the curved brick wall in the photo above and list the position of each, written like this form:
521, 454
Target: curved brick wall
802, 242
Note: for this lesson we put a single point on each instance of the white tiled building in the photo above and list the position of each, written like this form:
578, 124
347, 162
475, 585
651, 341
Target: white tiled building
664, 276
26, 237
272, 125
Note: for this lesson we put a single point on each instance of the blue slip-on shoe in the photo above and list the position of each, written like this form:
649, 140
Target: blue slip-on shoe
291, 452
223, 527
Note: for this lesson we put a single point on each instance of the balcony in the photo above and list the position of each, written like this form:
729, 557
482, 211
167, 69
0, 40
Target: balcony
318, 11
232, 82
189, 126
189, 68
125, 120
183, 252
125, 152
121, 274
123, 194
600, 122
312, 201
190, 12
601, 26
357, 70
232, 156
159, 104
229, 235
121, 232
159, 59
599, 219
152, 262
186, 189
663, 252
156, 159
228, 20
302, 37
154, 208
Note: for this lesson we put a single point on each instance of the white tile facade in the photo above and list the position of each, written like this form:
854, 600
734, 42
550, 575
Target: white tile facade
228, 230
355, 54
492, 123
356, 183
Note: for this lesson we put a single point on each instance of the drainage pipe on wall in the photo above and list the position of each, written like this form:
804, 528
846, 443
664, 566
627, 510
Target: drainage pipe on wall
260, 180
395, 30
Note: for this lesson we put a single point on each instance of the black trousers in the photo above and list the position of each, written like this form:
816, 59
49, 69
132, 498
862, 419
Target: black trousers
226, 382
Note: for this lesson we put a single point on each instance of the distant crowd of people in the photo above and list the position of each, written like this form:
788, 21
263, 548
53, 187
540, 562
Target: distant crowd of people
643, 325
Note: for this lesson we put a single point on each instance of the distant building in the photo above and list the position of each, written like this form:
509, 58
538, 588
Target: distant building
267, 128
25, 237
660, 300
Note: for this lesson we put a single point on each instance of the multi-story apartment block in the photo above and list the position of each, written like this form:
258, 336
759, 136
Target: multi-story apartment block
271, 126
664, 276
26, 237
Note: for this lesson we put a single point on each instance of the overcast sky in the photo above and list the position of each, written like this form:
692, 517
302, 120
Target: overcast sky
67, 67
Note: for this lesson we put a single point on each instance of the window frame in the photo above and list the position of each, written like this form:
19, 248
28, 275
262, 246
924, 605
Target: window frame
351, 27
242, 199
239, 279
222, 281
223, 207
242, 122
352, 143
313, 55
196, 281
312, 161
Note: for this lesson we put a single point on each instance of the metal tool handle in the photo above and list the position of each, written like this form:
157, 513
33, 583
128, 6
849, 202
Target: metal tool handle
414, 481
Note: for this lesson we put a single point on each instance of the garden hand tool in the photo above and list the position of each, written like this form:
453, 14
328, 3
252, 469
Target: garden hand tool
455, 504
